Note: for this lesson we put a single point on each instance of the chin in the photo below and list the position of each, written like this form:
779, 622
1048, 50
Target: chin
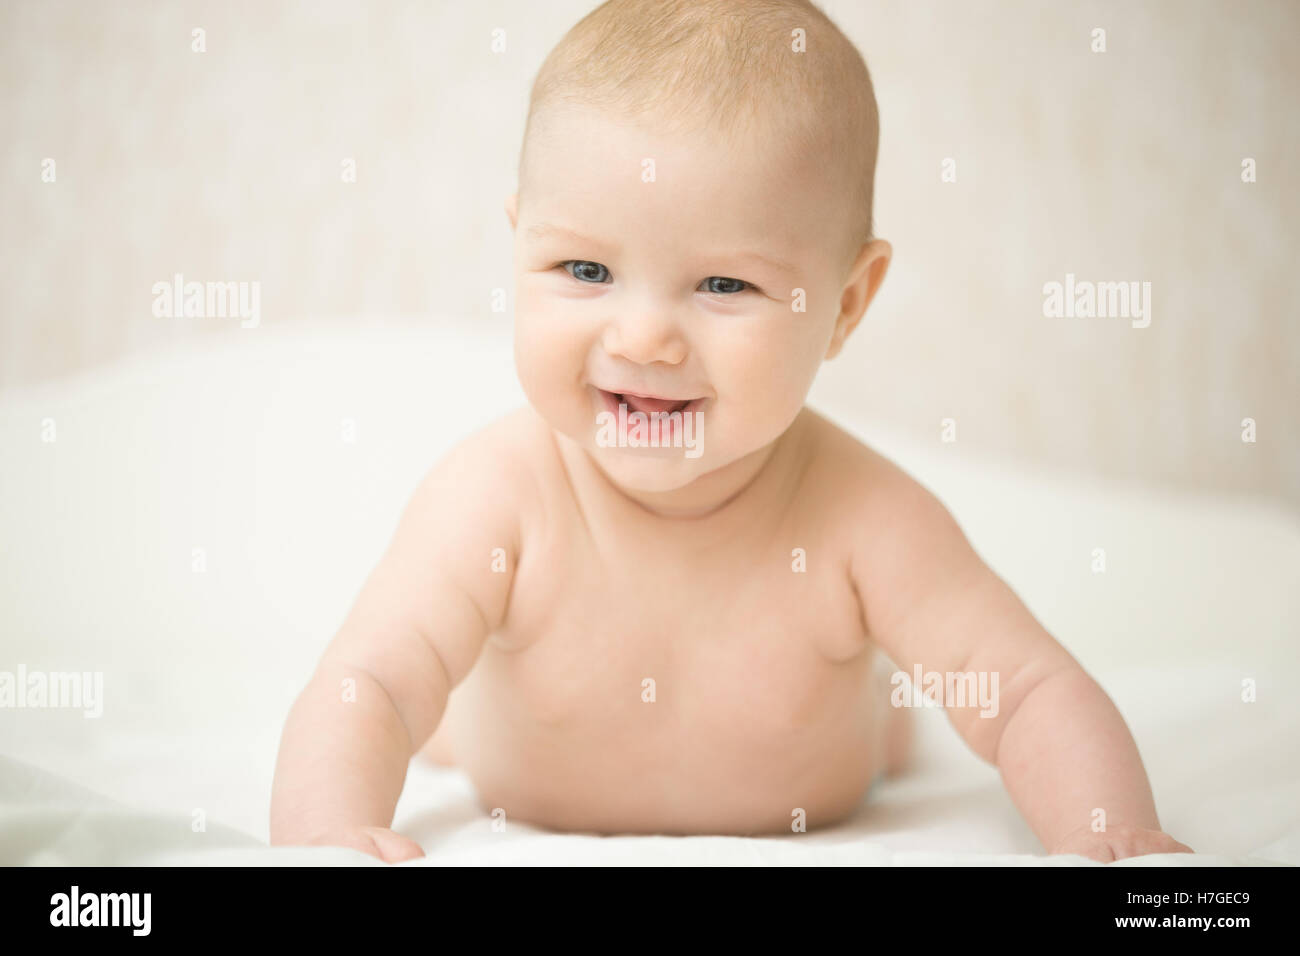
650, 470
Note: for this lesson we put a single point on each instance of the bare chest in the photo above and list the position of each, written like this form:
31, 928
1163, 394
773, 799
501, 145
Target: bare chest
705, 680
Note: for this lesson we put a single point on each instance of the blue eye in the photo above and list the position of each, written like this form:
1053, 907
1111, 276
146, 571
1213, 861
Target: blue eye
585, 271
729, 286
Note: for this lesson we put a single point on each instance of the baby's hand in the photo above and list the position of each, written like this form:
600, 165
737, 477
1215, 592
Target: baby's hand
1118, 842
380, 842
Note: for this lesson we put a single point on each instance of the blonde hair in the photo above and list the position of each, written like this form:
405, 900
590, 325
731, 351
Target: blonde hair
730, 66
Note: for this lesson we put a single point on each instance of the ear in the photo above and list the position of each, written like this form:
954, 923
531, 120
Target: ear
865, 277
512, 209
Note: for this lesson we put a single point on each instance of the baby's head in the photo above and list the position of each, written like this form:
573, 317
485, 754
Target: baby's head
693, 224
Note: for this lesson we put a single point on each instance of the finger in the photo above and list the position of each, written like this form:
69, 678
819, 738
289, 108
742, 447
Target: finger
1101, 852
358, 841
1090, 849
393, 847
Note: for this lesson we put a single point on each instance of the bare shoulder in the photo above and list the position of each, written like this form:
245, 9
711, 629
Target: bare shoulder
897, 532
860, 479
497, 461
479, 493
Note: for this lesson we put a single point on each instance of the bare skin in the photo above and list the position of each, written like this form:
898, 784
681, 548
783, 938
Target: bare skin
641, 641
763, 702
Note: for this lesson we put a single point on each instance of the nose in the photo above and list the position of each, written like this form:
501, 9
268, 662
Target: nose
645, 336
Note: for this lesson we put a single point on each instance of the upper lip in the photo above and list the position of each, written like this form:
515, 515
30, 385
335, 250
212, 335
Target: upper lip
651, 395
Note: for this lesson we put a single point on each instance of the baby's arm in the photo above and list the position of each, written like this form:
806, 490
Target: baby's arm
415, 631
1062, 747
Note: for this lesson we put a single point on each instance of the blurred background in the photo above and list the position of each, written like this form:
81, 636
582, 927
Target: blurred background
188, 507
228, 163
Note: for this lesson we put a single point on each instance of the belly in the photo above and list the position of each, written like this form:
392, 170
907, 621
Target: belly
730, 737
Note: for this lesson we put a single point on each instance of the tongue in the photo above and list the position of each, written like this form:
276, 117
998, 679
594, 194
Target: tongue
652, 405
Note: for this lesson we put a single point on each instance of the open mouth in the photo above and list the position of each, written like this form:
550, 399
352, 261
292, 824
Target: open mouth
648, 404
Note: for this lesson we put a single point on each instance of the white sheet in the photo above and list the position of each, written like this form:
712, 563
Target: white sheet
236, 448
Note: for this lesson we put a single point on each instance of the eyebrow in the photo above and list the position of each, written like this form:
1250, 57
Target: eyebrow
779, 264
544, 230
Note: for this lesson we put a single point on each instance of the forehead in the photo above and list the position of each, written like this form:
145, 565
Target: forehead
610, 175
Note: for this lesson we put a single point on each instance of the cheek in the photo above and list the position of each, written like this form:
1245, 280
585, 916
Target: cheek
770, 372
544, 347
549, 361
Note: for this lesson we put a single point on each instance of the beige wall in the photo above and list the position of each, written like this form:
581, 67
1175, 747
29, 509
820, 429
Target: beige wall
1123, 165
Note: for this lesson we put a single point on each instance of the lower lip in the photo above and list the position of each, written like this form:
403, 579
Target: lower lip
667, 426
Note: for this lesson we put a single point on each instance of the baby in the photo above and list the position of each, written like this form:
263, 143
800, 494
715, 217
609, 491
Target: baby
662, 593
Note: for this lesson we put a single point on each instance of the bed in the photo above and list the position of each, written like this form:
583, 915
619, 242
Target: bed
194, 522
